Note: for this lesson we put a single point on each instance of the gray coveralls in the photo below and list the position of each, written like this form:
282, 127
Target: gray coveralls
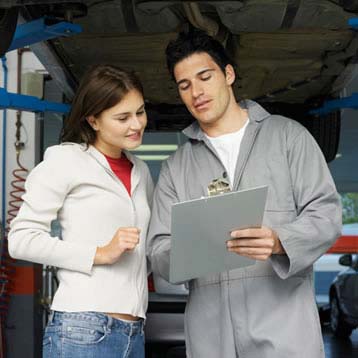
267, 310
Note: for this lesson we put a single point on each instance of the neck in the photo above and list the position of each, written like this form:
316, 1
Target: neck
231, 121
111, 152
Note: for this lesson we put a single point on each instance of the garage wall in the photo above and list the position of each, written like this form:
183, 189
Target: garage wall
344, 168
23, 329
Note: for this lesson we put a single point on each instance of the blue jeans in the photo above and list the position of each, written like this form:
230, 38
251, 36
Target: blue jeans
92, 335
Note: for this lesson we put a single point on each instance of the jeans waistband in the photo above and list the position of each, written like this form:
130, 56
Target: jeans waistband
97, 318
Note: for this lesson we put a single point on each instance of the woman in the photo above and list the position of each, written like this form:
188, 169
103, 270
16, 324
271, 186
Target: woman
99, 192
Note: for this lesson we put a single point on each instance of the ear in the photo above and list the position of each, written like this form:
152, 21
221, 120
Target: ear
230, 74
92, 121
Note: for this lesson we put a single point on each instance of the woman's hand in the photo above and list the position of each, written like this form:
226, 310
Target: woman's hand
125, 239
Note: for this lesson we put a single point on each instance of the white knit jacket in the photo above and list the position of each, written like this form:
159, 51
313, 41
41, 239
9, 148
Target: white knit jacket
77, 186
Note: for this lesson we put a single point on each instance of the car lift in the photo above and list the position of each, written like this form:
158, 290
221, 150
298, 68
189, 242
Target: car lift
346, 243
337, 104
29, 103
25, 35
340, 103
35, 31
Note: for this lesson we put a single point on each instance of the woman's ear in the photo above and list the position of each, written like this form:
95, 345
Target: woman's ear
230, 74
92, 121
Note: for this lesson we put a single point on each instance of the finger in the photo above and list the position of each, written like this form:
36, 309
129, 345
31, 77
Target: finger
128, 246
251, 251
129, 239
131, 235
250, 242
255, 257
251, 232
122, 235
130, 229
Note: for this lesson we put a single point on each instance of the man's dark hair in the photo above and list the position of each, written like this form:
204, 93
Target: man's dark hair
195, 41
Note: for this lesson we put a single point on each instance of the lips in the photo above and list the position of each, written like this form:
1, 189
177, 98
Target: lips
134, 136
201, 105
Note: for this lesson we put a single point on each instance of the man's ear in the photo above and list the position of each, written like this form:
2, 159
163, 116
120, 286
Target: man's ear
92, 121
230, 74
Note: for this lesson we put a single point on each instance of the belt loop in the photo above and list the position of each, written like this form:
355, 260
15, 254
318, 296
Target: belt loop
131, 325
109, 322
50, 316
142, 327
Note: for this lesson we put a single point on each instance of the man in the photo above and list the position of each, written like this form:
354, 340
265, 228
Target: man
268, 309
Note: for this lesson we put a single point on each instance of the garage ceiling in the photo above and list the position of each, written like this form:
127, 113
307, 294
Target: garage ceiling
286, 51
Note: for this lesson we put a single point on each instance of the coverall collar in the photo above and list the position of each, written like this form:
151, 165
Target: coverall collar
255, 111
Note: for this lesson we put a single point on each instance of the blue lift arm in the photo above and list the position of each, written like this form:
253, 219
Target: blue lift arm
29, 103
28, 34
336, 105
339, 103
37, 31
353, 23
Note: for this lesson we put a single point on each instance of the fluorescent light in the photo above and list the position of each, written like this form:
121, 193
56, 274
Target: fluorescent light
154, 157
338, 155
156, 148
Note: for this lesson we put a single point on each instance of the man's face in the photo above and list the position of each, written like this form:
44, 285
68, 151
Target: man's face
204, 88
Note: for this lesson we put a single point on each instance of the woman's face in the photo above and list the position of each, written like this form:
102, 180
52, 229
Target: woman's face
121, 126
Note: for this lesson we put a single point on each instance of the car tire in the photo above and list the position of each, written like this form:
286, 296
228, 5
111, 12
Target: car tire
339, 327
8, 21
349, 5
326, 130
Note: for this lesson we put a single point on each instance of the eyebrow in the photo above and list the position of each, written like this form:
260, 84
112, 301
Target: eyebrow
126, 113
198, 74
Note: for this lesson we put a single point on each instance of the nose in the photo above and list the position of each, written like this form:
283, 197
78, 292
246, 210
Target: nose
136, 123
196, 90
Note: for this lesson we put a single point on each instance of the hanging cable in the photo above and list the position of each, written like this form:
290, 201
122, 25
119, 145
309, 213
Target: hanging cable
7, 268
3, 267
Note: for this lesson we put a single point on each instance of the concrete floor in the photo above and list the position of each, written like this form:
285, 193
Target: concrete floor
334, 348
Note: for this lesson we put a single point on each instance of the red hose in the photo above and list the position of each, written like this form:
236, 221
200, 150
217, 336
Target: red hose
7, 268
17, 184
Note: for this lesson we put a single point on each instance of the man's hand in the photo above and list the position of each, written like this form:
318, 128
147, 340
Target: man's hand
125, 239
258, 244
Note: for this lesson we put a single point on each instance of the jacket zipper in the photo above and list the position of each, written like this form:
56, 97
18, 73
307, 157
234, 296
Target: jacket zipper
135, 221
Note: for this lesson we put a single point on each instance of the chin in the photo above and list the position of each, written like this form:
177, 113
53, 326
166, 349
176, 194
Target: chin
133, 145
206, 120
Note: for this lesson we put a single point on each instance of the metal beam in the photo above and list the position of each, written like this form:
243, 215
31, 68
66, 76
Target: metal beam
55, 67
36, 31
353, 23
52, 63
336, 105
29, 103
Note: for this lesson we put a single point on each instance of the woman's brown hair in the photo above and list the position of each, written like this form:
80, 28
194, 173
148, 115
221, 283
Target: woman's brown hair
102, 87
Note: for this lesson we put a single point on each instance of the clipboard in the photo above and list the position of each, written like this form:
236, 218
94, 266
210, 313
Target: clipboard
201, 227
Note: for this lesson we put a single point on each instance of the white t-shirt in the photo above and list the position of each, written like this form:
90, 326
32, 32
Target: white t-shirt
227, 147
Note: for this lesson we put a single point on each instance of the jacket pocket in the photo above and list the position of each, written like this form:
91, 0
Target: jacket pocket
276, 218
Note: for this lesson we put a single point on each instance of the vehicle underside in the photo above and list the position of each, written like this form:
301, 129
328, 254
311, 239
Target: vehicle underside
291, 55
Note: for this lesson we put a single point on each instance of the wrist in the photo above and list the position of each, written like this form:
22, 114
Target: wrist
278, 248
100, 257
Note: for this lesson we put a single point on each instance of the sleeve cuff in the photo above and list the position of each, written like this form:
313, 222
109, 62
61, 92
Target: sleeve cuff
282, 264
86, 255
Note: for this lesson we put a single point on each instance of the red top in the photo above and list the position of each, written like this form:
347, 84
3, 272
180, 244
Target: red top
122, 167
